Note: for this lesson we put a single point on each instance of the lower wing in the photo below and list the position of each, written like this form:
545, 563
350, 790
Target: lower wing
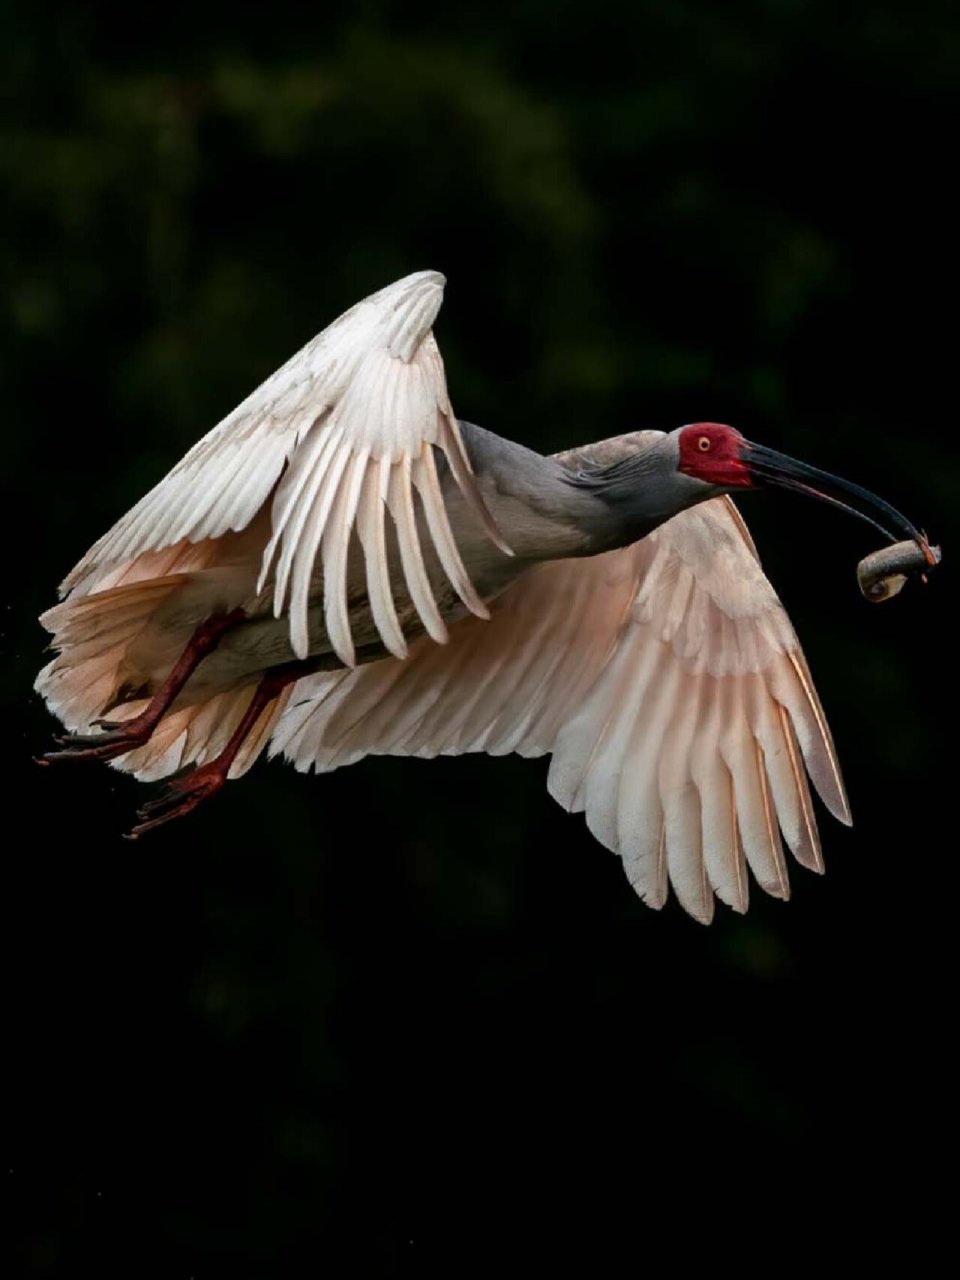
664, 679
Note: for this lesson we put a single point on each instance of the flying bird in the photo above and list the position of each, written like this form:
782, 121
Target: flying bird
343, 568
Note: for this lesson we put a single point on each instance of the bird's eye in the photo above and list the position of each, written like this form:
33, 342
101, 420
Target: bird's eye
703, 444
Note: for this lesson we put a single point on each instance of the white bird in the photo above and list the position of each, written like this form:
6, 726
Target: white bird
341, 568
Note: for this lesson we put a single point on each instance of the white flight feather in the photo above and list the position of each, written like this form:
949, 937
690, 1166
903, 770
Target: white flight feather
371, 386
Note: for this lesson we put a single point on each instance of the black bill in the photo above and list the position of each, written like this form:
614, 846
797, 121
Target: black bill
768, 467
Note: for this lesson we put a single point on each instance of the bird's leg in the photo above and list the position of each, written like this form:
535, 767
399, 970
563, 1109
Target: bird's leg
121, 736
184, 794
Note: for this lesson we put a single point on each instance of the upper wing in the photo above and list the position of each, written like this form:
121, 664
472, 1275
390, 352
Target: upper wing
664, 678
348, 423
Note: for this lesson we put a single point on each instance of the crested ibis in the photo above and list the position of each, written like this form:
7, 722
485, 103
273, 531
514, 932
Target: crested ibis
342, 567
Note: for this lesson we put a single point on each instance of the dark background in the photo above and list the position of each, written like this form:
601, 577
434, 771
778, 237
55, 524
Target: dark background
362, 1023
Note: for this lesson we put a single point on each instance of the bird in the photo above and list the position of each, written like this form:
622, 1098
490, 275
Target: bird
343, 568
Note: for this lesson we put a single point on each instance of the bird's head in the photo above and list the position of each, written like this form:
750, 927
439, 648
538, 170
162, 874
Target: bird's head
714, 453
719, 456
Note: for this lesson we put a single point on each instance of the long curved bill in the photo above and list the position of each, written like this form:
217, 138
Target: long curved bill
766, 466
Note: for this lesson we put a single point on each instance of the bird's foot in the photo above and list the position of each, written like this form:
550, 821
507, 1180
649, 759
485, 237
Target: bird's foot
119, 737
181, 797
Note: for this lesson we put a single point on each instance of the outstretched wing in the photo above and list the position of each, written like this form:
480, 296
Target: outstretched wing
664, 678
347, 427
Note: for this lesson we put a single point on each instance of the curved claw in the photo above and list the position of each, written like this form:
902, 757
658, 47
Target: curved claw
85, 739
95, 746
179, 798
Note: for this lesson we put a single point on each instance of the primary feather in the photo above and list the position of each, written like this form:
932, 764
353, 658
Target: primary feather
367, 393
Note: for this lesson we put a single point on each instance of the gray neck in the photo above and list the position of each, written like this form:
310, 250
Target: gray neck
640, 489
587, 500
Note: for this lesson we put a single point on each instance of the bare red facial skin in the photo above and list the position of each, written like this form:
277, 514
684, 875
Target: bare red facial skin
711, 451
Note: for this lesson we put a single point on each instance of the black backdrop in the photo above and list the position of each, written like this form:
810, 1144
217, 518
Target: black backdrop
381, 1018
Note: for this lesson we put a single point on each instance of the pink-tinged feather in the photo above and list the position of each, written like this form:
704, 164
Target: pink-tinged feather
675, 725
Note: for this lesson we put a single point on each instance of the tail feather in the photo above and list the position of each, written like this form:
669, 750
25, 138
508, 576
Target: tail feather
91, 676
93, 634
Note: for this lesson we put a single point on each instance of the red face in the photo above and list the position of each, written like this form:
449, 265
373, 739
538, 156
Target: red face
712, 452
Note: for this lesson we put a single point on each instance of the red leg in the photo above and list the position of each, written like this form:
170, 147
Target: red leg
124, 735
184, 794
